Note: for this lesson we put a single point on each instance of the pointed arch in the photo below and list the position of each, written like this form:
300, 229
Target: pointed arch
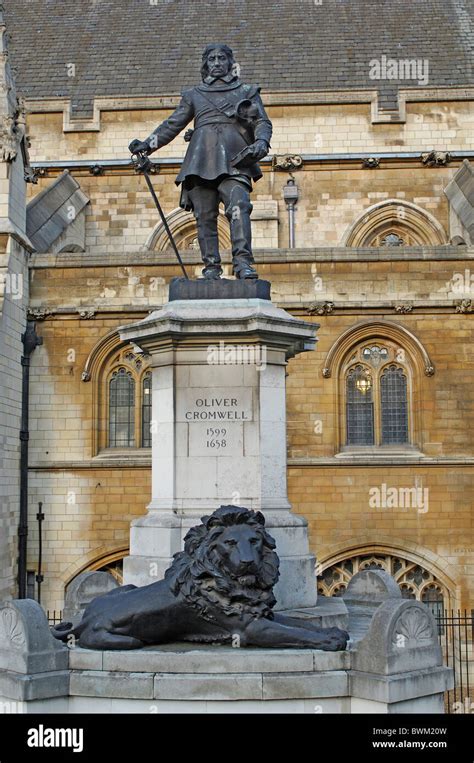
403, 349
373, 330
93, 560
438, 567
183, 227
414, 225
108, 355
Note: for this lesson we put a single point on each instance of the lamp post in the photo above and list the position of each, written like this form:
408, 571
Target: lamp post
291, 195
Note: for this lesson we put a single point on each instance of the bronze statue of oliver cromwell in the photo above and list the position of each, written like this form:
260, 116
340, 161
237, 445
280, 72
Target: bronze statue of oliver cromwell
231, 134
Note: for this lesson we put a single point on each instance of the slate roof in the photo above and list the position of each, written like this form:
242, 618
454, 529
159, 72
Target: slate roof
153, 47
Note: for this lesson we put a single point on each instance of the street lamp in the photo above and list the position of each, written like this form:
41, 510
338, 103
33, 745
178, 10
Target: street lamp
291, 195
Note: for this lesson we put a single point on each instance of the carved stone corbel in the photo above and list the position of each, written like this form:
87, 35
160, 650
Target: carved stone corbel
39, 313
371, 162
464, 306
403, 307
287, 162
436, 158
321, 308
86, 314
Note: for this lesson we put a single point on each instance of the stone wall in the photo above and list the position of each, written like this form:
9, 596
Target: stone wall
14, 284
90, 498
118, 281
122, 216
303, 129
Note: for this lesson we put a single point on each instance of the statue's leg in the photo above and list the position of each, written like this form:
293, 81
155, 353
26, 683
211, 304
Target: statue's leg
236, 198
205, 201
268, 633
102, 639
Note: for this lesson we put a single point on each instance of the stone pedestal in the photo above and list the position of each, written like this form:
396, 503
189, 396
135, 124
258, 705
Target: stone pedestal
219, 429
393, 665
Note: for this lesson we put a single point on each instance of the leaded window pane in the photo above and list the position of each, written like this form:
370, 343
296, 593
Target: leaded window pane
146, 412
393, 398
122, 410
359, 407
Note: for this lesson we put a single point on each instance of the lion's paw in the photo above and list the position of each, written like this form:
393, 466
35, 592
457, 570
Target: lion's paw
335, 640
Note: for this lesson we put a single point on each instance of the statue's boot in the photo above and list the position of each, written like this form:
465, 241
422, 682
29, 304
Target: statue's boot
206, 208
209, 245
238, 210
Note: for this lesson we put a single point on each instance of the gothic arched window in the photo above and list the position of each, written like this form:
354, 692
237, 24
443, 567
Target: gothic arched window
121, 409
415, 582
125, 400
146, 411
393, 406
359, 406
376, 396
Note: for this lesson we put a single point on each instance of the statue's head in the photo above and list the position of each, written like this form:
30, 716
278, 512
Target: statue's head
217, 60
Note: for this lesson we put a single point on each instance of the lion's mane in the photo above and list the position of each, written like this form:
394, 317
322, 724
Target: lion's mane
200, 577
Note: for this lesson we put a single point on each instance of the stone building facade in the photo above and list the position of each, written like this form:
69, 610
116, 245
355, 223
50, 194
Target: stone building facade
380, 416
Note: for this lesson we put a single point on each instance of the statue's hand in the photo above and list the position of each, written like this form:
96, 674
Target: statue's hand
138, 145
259, 149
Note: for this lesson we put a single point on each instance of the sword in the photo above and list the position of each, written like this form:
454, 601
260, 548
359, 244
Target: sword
142, 165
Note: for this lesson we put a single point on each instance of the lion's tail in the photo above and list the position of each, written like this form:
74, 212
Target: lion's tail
63, 630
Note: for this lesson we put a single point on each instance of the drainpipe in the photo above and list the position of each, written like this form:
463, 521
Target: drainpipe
30, 341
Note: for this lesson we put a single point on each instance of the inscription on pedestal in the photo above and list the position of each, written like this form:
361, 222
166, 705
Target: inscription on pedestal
215, 419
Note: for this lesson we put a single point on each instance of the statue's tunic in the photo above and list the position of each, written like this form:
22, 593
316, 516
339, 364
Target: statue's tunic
218, 136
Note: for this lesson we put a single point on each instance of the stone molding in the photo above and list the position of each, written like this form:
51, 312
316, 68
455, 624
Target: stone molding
270, 98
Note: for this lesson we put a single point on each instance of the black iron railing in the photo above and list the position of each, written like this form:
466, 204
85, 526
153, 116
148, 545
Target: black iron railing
456, 636
54, 616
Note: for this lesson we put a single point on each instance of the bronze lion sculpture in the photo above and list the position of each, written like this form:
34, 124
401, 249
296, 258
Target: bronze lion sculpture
218, 590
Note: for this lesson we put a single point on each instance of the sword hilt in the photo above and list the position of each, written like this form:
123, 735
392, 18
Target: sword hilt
141, 161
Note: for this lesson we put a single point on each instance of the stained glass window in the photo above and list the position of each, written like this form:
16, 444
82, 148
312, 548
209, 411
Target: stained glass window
146, 411
393, 401
122, 410
360, 407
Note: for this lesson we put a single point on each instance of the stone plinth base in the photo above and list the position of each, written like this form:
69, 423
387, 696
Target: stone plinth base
393, 664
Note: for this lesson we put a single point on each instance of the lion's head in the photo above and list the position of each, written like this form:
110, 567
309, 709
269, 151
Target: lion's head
228, 564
